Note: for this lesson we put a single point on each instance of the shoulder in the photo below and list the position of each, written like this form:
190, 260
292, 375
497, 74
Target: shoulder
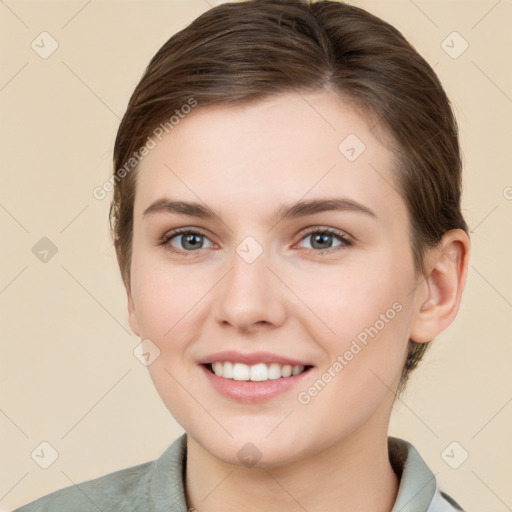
152, 486
126, 489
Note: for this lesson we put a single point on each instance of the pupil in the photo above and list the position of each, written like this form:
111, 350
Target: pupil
323, 239
189, 239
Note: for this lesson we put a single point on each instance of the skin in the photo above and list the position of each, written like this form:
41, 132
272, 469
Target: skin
293, 300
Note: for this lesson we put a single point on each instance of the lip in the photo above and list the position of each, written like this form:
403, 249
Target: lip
250, 358
251, 392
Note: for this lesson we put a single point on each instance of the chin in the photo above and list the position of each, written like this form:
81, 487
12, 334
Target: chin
253, 449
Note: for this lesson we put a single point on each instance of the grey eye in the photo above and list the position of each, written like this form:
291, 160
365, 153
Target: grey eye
190, 241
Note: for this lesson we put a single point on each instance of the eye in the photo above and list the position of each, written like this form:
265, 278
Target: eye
324, 240
185, 240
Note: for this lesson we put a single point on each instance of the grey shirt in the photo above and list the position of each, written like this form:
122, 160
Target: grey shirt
157, 486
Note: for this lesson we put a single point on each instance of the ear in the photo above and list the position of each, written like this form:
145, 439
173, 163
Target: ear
132, 315
436, 308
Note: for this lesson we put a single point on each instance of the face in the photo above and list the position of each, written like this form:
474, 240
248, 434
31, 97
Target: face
295, 259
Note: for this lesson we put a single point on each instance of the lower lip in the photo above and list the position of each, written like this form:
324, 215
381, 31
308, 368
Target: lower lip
249, 391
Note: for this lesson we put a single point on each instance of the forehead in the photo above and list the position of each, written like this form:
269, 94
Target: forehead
268, 152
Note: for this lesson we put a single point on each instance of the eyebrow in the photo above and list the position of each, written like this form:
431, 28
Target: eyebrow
298, 209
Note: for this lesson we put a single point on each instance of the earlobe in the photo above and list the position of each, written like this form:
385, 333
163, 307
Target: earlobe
444, 284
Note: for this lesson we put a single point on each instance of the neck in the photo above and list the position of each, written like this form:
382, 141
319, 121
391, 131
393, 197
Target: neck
354, 475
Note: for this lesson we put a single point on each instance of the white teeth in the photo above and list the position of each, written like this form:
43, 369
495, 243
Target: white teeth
274, 371
217, 368
297, 369
227, 370
286, 370
241, 371
257, 372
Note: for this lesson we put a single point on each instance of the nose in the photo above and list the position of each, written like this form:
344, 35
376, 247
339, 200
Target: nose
250, 297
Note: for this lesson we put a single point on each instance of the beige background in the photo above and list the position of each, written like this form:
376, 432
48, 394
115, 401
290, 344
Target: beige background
68, 374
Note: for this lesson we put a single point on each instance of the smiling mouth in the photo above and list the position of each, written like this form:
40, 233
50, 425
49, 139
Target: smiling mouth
259, 372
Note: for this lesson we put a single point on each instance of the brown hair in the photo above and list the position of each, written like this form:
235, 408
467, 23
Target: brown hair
245, 51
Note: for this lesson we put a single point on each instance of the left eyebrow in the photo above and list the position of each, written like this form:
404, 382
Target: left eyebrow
284, 211
303, 208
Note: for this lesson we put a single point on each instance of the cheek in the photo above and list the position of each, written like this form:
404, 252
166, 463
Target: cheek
354, 297
362, 319
363, 364
164, 300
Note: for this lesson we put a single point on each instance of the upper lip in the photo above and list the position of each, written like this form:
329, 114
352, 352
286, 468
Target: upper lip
250, 358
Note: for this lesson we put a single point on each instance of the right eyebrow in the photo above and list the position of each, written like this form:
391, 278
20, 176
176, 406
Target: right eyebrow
182, 207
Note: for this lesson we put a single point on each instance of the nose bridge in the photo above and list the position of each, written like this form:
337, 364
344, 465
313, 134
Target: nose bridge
248, 295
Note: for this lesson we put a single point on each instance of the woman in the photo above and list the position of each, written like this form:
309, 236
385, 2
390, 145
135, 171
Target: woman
287, 222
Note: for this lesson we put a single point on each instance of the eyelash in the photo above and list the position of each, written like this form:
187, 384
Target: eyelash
345, 242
